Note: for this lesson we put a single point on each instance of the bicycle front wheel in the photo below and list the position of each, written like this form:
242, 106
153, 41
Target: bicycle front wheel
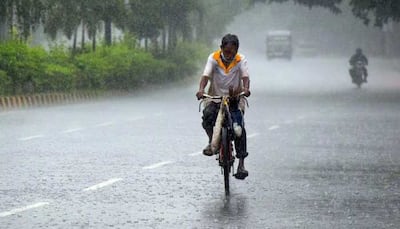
226, 157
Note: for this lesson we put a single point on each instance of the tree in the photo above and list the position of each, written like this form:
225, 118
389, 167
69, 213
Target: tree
6, 10
378, 11
218, 14
107, 11
381, 12
26, 13
68, 15
145, 19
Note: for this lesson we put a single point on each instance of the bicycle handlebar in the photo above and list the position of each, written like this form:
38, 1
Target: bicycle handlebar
207, 96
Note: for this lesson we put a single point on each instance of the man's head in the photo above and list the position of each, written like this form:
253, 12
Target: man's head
359, 51
229, 47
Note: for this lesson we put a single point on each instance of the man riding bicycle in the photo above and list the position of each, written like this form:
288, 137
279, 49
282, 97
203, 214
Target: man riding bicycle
225, 69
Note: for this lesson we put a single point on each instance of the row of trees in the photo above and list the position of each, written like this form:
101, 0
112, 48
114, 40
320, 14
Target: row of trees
174, 29
160, 22
170, 20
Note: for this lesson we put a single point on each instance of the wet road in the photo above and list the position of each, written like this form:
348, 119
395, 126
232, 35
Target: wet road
322, 155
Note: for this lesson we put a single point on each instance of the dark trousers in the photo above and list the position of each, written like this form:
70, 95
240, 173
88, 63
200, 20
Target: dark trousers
210, 113
353, 71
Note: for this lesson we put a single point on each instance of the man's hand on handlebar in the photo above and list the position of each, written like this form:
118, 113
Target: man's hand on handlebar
200, 94
246, 92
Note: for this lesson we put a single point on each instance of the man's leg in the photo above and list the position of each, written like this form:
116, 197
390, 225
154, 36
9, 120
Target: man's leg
351, 72
210, 113
365, 74
241, 154
241, 146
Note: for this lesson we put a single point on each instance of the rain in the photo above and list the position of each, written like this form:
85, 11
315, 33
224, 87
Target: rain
100, 126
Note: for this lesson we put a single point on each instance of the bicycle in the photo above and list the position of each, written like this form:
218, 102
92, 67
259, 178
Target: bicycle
227, 127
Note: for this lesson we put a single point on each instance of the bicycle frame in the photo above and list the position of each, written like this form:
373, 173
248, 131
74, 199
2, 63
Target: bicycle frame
223, 136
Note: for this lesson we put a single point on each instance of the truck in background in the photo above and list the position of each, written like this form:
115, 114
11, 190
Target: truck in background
279, 44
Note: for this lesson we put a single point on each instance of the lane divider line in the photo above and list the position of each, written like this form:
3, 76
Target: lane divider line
26, 208
195, 154
102, 184
274, 127
31, 137
72, 130
104, 124
252, 135
156, 165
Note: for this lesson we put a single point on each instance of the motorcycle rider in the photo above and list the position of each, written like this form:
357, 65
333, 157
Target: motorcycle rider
225, 69
358, 56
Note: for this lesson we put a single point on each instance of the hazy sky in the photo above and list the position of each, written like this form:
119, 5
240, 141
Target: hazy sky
330, 34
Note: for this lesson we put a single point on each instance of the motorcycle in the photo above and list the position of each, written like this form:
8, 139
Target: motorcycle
357, 73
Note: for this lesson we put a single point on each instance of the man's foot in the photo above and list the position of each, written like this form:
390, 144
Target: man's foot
365, 80
241, 173
207, 151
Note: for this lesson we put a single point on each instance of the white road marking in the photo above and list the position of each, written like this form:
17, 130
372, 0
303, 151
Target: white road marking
104, 124
102, 184
288, 121
72, 130
31, 137
252, 135
153, 166
195, 154
274, 127
18, 210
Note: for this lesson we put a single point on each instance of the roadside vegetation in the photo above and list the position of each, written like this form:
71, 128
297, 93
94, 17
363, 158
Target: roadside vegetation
26, 70
106, 44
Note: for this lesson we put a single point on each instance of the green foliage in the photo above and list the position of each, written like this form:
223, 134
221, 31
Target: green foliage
187, 56
5, 83
120, 67
123, 66
56, 78
21, 64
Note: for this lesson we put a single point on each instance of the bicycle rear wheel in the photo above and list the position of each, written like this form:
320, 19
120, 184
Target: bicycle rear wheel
226, 157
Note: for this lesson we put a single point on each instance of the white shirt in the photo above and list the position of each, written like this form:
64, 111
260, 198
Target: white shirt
222, 77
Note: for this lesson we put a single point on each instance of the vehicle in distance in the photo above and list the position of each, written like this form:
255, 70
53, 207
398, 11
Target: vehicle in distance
279, 44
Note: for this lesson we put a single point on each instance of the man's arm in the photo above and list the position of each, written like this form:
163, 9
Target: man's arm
202, 86
366, 60
246, 86
352, 60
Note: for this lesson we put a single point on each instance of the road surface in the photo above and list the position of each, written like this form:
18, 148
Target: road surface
323, 154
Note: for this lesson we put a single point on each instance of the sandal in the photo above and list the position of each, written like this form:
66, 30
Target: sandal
241, 174
207, 151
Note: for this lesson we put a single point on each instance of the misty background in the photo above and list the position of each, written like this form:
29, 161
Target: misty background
316, 31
